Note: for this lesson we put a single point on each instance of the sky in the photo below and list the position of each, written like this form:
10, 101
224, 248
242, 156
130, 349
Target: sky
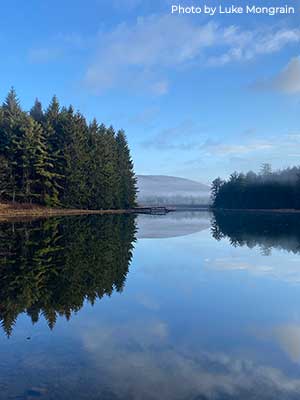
198, 96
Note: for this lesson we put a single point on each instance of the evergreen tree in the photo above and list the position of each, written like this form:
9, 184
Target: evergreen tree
110, 170
77, 168
265, 169
215, 187
36, 111
11, 133
6, 182
128, 189
39, 178
55, 142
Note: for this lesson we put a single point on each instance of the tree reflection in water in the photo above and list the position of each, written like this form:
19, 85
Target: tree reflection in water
264, 229
50, 267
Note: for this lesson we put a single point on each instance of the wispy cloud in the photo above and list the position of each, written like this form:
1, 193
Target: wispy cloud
188, 136
216, 148
137, 358
271, 268
141, 54
182, 137
288, 338
286, 81
145, 117
44, 55
246, 45
58, 46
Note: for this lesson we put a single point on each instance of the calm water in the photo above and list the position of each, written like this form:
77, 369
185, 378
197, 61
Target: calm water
188, 306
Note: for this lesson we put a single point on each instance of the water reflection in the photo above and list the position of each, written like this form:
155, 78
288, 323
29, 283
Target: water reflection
172, 225
200, 319
51, 267
266, 230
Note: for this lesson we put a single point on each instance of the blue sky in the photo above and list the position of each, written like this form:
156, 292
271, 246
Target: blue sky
198, 96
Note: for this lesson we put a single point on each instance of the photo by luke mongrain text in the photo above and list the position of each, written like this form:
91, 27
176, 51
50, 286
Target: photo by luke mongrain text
232, 9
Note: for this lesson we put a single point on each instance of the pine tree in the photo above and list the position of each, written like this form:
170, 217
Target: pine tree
39, 178
36, 111
94, 180
77, 169
215, 188
11, 105
127, 189
55, 143
111, 172
11, 133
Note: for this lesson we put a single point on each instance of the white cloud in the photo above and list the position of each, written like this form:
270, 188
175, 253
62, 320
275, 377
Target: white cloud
146, 363
287, 336
287, 81
139, 54
281, 269
215, 148
177, 137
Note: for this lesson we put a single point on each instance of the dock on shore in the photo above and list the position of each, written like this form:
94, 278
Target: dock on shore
153, 210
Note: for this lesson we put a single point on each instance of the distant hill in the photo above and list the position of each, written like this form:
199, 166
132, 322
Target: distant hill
171, 190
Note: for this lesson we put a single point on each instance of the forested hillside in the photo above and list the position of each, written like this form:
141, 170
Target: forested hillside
55, 158
265, 190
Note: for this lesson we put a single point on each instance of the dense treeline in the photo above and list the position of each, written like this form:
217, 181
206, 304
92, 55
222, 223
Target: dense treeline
265, 190
55, 158
50, 267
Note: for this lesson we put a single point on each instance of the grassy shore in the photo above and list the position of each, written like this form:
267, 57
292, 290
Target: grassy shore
10, 211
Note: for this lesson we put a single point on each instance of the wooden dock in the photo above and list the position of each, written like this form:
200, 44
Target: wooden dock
153, 210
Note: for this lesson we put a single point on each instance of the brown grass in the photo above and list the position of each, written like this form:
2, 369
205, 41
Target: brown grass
25, 211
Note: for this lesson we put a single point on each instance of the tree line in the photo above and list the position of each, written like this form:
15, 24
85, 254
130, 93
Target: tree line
55, 158
51, 267
263, 190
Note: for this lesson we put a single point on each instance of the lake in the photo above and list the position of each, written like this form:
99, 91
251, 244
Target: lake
187, 306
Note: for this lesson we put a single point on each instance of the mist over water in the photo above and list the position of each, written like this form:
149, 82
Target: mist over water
191, 305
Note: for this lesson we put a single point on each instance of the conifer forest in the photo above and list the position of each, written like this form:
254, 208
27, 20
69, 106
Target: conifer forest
54, 157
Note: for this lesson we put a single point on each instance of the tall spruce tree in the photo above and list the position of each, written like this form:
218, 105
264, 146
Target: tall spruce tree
39, 177
127, 189
11, 133
77, 168
55, 142
36, 111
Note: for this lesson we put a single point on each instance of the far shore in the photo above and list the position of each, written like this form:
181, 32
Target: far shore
259, 210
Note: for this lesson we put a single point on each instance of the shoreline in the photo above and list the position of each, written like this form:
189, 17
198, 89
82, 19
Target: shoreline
9, 212
260, 210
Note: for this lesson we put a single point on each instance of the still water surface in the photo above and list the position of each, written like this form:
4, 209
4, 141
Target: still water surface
188, 306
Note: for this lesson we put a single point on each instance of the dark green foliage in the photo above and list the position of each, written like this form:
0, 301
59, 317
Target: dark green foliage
266, 190
54, 158
51, 267
128, 181
37, 111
